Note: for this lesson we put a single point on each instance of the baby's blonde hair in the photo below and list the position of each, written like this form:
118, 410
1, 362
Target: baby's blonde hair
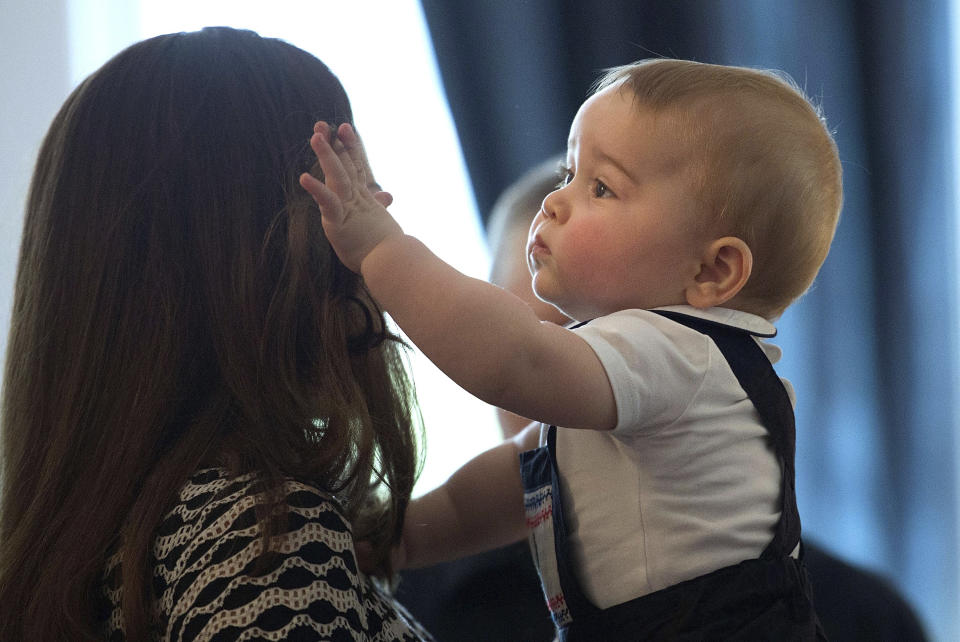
762, 163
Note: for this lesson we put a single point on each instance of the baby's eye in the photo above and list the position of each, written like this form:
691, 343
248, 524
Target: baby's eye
564, 175
600, 189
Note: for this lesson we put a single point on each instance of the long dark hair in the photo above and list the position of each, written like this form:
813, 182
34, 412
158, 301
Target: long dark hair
178, 306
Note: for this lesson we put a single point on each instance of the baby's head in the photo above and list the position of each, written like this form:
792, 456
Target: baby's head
760, 162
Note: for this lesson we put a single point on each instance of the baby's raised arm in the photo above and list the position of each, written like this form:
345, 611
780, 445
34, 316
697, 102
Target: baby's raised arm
487, 340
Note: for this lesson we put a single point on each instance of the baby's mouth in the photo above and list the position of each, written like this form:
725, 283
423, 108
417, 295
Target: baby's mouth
538, 247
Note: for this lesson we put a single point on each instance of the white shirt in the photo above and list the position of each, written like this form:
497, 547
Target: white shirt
686, 483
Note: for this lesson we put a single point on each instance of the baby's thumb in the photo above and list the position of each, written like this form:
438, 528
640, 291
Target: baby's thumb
384, 198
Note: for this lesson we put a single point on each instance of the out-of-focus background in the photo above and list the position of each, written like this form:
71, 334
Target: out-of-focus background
457, 99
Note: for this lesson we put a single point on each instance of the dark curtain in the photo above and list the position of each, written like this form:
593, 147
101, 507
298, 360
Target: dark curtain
872, 349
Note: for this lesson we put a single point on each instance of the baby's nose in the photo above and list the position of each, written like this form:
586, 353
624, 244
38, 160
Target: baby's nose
548, 205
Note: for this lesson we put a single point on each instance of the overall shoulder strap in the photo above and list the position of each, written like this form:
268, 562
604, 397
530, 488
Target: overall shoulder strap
761, 383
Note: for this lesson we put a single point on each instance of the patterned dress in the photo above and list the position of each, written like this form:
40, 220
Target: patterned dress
209, 589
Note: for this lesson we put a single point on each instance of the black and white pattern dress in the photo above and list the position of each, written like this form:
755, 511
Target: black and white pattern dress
209, 589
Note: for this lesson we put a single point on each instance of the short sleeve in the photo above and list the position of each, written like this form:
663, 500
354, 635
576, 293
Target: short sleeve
655, 366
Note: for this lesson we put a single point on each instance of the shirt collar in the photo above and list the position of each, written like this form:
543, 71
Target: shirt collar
755, 325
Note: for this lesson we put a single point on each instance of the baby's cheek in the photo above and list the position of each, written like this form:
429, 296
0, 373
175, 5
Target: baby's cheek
594, 252
586, 241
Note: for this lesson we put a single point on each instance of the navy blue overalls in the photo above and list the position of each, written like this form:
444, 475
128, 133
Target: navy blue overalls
768, 598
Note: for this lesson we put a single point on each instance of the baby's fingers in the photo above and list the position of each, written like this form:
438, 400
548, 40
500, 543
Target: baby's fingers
358, 155
335, 175
340, 174
328, 202
348, 144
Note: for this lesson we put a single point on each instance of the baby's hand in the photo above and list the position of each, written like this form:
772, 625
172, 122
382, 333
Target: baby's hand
352, 207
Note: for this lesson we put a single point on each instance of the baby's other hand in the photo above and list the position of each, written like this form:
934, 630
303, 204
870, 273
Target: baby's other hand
352, 205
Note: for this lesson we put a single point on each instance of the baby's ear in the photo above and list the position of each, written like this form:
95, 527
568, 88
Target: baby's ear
724, 269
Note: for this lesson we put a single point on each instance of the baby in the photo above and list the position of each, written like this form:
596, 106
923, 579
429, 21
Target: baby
698, 201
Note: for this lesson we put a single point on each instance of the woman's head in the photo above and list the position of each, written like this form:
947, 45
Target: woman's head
177, 303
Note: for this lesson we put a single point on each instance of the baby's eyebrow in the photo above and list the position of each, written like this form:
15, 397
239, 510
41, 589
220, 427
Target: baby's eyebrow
616, 163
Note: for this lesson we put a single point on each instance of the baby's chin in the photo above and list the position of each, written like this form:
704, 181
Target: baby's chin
570, 313
547, 311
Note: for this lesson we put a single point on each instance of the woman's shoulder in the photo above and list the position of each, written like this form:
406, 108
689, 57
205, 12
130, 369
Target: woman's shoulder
213, 503
308, 587
212, 581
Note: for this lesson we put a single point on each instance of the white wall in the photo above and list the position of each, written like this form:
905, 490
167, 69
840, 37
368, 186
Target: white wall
34, 81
